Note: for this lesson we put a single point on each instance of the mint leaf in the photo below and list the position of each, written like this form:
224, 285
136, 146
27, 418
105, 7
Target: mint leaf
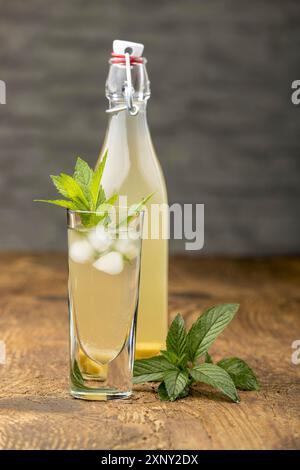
170, 356
175, 382
70, 188
101, 197
134, 209
83, 173
104, 207
58, 202
76, 376
217, 377
208, 358
97, 192
185, 392
103, 211
176, 339
151, 370
90, 220
241, 374
162, 392
57, 181
86, 194
174, 359
77, 372
177, 373
205, 330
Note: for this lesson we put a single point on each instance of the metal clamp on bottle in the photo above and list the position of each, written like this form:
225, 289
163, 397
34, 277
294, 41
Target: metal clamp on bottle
128, 91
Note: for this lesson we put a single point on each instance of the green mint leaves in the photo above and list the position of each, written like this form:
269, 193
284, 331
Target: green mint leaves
176, 339
217, 377
241, 374
175, 382
187, 360
83, 191
152, 370
206, 329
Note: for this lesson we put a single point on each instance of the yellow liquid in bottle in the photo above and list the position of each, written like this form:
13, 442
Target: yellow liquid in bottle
132, 170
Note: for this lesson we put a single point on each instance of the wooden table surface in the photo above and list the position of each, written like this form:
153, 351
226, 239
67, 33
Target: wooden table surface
36, 411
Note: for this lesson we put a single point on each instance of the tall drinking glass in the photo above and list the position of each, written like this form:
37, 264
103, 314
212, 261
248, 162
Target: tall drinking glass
104, 270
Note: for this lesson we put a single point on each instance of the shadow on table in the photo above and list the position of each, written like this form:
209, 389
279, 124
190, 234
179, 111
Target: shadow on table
40, 404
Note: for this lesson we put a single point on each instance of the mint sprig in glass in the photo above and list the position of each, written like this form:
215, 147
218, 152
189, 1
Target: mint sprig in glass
83, 192
104, 242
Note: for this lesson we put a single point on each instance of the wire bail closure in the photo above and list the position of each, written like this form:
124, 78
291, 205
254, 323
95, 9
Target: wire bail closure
128, 91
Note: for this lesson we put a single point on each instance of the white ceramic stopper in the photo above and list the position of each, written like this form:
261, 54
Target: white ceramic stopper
133, 48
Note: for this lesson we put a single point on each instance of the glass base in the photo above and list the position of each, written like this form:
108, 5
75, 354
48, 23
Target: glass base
100, 395
90, 380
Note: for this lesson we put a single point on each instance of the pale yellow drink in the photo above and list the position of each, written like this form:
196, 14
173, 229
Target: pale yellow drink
103, 295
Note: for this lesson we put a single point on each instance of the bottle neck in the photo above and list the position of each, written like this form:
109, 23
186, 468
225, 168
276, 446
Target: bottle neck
130, 152
117, 79
130, 129
116, 104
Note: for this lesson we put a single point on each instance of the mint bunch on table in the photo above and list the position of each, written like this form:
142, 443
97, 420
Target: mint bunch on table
84, 192
187, 360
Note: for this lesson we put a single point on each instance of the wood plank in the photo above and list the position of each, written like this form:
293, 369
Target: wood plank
36, 411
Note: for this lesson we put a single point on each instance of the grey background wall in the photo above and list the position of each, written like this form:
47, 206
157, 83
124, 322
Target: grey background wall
221, 115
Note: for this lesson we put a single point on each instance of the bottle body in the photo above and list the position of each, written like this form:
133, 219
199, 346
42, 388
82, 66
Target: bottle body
132, 170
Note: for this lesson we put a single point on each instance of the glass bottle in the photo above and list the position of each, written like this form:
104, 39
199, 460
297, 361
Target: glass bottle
133, 170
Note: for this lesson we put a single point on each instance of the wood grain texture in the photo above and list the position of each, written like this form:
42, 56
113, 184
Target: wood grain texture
36, 411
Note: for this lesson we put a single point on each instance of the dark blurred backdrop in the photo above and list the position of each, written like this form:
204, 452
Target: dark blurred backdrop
221, 116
